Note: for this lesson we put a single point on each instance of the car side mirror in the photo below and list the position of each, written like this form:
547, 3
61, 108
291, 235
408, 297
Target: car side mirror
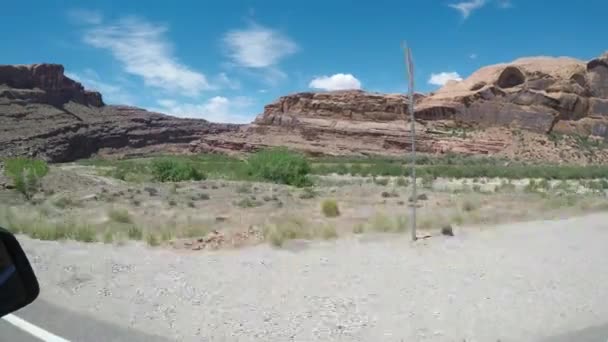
18, 284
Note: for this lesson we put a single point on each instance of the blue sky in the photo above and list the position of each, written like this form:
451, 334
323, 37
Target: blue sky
224, 60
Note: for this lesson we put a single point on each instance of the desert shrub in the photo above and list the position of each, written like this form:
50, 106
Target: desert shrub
308, 193
328, 231
287, 228
172, 170
402, 181
381, 223
64, 202
134, 232
392, 194
359, 228
26, 174
120, 215
280, 166
248, 202
381, 181
329, 207
243, 189
469, 205
152, 240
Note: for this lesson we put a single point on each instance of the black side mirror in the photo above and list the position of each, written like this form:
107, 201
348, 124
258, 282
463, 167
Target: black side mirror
18, 284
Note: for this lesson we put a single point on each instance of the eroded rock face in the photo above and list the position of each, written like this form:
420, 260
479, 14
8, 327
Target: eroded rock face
45, 114
540, 95
44, 83
534, 94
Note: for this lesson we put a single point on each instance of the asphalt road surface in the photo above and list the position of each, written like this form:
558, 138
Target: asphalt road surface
67, 325
537, 281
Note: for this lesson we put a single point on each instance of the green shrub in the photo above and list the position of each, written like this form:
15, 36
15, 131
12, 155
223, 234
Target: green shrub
172, 170
330, 208
26, 174
280, 166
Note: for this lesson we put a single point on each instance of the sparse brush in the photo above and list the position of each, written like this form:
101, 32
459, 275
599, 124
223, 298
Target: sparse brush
248, 202
359, 228
287, 228
381, 223
469, 205
328, 231
392, 194
64, 202
381, 181
26, 174
402, 181
134, 232
308, 193
119, 215
152, 240
329, 207
243, 189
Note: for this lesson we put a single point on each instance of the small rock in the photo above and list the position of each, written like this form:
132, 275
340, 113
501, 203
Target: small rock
447, 230
220, 219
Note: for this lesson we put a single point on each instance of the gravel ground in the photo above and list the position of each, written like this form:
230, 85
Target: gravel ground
517, 282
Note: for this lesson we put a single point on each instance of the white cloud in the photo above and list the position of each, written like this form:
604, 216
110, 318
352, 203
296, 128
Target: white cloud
144, 51
466, 7
258, 46
111, 93
224, 81
215, 109
505, 4
442, 78
335, 82
84, 16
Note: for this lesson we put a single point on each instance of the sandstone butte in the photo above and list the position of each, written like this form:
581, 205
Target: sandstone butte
513, 110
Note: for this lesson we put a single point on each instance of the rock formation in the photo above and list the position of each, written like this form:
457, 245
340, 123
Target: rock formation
537, 95
504, 109
45, 114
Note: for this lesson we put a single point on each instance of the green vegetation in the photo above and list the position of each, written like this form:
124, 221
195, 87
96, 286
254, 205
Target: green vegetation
172, 170
280, 166
26, 174
329, 207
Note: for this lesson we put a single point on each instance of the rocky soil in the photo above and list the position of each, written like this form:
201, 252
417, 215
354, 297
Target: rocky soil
539, 281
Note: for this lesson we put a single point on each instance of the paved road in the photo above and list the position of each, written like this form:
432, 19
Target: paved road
68, 325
